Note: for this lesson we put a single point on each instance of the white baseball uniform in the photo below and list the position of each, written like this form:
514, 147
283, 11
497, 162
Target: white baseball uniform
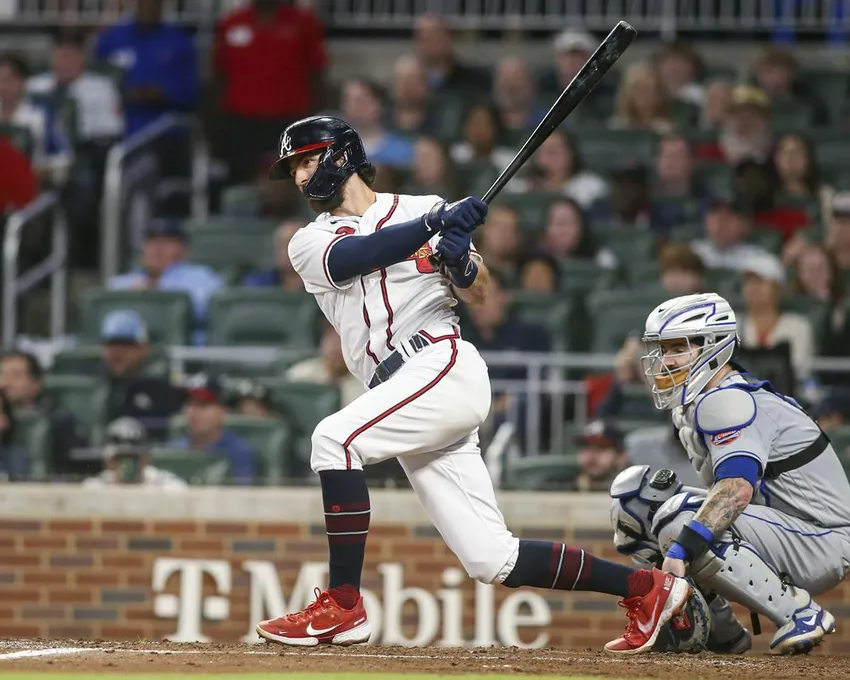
428, 413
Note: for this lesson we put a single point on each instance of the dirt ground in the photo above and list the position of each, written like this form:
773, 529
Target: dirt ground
93, 656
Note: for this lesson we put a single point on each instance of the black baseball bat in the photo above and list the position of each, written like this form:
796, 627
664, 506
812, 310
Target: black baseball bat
599, 63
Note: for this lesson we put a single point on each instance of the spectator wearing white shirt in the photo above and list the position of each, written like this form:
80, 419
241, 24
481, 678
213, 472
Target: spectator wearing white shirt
51, 153
99, 115
726, 228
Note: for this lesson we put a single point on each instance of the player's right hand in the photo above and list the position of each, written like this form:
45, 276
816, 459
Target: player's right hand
466, 214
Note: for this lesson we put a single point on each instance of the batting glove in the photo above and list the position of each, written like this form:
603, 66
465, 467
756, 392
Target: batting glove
466, 214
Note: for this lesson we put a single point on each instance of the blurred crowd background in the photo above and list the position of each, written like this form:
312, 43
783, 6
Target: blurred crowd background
192, 355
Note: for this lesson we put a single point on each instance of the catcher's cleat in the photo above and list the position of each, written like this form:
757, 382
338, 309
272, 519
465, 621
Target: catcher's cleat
324, 622
648, 613
805, 631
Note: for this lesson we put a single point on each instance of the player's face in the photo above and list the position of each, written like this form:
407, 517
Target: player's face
302, 168
676, 357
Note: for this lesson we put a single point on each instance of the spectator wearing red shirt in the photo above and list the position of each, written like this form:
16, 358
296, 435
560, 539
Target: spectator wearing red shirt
18, 185
270, 58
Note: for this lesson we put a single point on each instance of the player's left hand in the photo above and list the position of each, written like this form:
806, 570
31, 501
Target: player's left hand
454, 247
673, 566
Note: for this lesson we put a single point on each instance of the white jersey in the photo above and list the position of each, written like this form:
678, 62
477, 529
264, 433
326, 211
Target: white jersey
374, 312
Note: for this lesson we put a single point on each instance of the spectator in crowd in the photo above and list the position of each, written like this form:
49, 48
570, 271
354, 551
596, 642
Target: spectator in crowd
362, 107
22, 384
572, 49
838, 230
499, 241
205, 430
270, 60
797, 167
432, 171
250, 398
127, 459
567, 236
483, 139
629, 203
433, 46
538, 272
716, 104
675, 175
164, 267
756, 185
680, 70
764, 325
158, 63
818, 278
557, 167
682, 271
746, 131
492, 329
18, 184
328, 368
627, 377
515, 96
275, 200
134, 390
775, 72
659, 447
832, 411
283, 275
410, 113
601, 456
14, 459
727, 225
642, 102
98, 103
51, 153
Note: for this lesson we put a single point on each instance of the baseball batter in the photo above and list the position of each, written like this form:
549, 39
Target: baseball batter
365, 259
773, 527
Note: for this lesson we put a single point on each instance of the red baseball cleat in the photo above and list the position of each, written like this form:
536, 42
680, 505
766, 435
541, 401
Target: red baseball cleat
323, 622
648, 613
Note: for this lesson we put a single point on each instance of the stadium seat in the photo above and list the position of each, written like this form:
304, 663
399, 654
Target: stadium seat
168, 315
262, 317
235, 224
606, 149
195, 467
768, 239
840, 438
816, 312
627, 243
685, 233
86, 360
689, 208
554, 472
531, 208
84, 396
241, 201
643, 273
584, 276
638, 406
831, 85
553, 312
617, 314
832, 147
717, 178
303, 405
226, 248
32, 433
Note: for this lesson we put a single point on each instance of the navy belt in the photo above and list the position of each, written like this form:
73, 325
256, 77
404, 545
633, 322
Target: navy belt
395, 361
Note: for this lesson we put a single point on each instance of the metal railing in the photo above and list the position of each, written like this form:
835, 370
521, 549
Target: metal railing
55, 266
132, 171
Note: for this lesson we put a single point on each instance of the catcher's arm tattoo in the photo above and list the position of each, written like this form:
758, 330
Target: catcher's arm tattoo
727, 499
477, 292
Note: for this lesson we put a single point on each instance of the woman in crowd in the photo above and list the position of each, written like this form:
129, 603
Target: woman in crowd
567, 235
642, 102
482, 139
797, 167
432, 171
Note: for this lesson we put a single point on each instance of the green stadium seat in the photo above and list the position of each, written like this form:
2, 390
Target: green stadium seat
262, 317
832, 147
19, 137
840, 437
637, 406
303, 405
691, 208
168, 315
617, 314
449, 110
684, 115
537, 473
686, 233
725, 282
236, 224
553, 312
84, 396
584, 276
790, 115
531, 208
643, 273
223, 248
831, 85
32, 433
605, 150
717, 178
86, 360
816, 312
241, 201
766, 238
195, 467
629, 244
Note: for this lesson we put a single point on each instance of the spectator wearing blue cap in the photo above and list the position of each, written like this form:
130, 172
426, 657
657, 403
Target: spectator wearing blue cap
133, 391
164, 267
205, 414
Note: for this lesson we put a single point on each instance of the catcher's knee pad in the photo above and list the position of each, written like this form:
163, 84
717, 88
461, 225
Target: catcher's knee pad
328, 450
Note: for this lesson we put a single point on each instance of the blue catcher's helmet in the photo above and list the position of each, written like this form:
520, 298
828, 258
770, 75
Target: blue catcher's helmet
336, 139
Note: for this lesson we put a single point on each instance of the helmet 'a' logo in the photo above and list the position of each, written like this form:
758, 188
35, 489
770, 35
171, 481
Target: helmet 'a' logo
285, 144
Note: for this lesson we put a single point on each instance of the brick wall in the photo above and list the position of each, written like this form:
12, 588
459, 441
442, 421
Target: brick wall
92, 577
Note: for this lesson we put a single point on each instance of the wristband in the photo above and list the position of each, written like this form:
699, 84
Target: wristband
695, 539
463, 278
677, 552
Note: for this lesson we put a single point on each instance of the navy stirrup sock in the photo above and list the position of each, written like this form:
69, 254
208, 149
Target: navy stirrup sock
544, 564
347, 512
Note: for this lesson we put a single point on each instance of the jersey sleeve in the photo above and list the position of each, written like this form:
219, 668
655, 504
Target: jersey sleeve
729, 422
308, 252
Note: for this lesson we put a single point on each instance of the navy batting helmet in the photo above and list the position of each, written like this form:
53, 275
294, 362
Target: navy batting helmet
336, 139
